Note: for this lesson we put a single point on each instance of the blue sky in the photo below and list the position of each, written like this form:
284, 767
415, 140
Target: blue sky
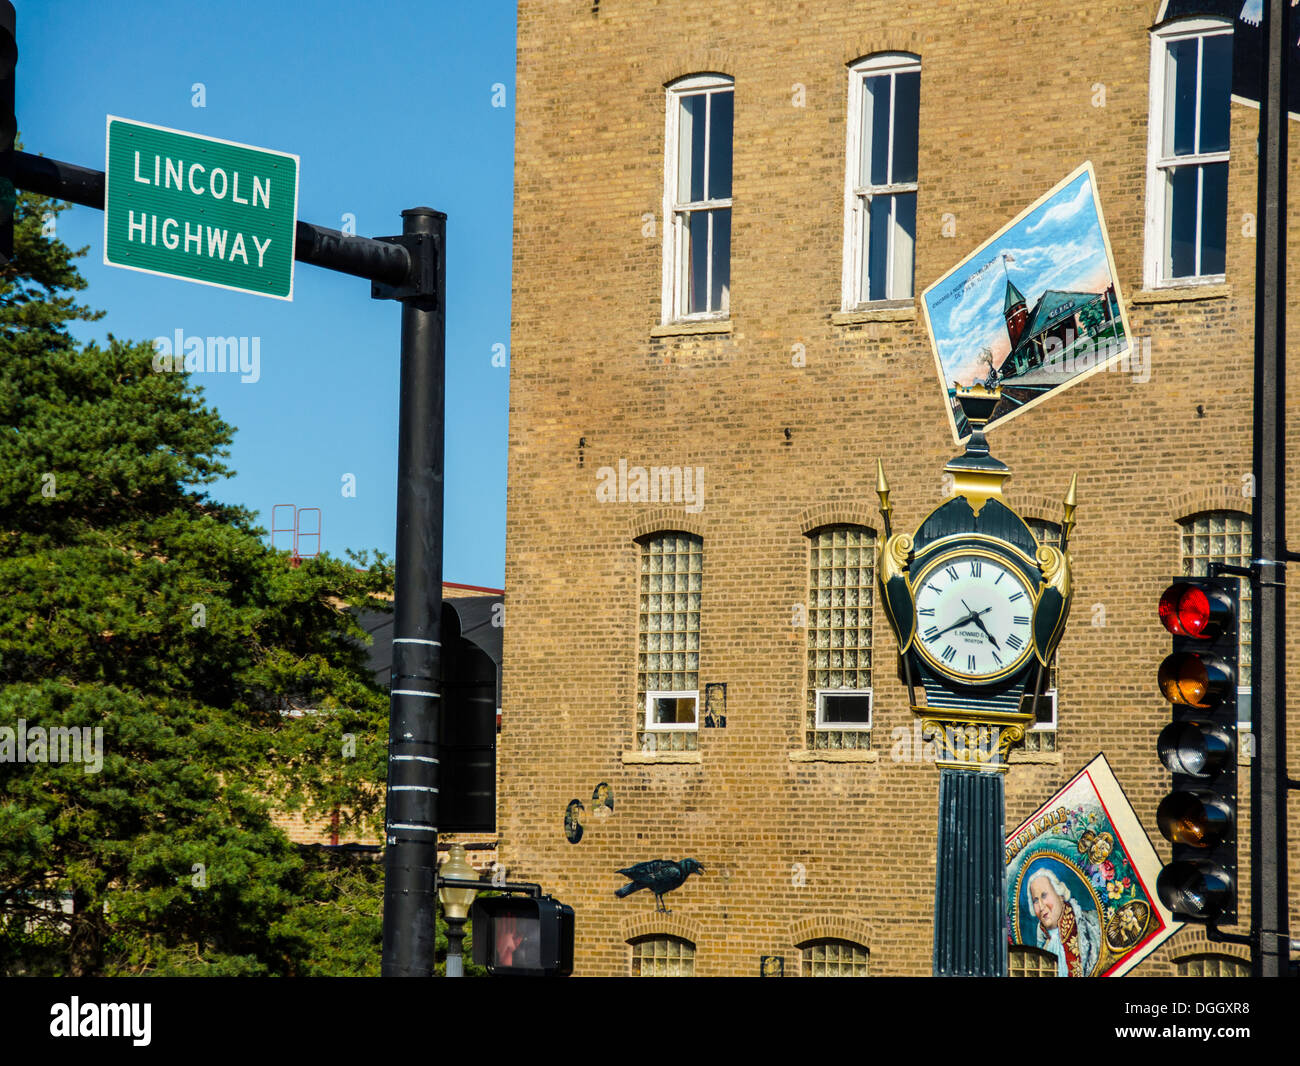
1058, 245
388, 106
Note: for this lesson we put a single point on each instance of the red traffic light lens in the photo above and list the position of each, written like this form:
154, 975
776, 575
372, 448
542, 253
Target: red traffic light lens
1185, 610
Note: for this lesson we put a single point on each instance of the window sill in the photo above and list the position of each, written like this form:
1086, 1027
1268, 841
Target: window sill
687, 329
825, 755
891, 311
1036, 758
643, 758
1178, 293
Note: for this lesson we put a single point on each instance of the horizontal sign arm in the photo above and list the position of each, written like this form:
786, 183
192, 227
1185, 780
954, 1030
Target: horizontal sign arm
331, 249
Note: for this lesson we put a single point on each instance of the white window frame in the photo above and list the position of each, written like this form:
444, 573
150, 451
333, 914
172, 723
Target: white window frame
1044, 727
665, 727
855, 207
843, 727
675, 277
1158, 163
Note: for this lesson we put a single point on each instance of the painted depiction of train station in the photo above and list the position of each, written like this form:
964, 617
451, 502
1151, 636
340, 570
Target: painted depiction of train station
985, 329
1049, 337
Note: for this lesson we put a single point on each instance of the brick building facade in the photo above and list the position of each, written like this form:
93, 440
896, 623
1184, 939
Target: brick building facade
773, 367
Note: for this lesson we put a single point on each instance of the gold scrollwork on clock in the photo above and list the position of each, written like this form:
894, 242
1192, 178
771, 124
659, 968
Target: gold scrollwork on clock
972, 745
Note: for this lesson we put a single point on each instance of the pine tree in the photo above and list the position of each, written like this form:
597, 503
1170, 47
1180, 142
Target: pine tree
136, 605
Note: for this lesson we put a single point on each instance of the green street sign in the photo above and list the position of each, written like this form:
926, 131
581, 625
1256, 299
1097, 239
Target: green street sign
201, 209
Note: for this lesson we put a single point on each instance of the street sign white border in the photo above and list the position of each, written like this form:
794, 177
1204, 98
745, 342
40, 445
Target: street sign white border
293, 249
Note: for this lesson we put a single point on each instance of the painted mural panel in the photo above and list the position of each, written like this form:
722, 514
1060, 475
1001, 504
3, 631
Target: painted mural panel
1035, 309
1081, 876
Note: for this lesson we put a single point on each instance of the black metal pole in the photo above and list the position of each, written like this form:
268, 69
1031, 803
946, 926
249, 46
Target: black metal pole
1268, 777
970, 934
455, 947
411, 856
8, 126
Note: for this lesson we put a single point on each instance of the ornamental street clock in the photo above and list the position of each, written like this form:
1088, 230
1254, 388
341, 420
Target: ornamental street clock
978, 607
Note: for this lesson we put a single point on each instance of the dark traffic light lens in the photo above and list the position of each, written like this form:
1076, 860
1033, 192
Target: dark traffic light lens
1195, 680
1194, 889
1199, 749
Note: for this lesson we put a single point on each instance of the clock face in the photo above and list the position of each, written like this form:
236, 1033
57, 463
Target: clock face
973, 615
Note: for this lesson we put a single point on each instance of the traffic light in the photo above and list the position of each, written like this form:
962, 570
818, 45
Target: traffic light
8, 129
1199, 748
467, 798
523, 936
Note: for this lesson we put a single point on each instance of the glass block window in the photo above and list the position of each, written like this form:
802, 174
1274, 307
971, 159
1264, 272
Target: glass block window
663, 956
841, 584
1042, 737
833, 958
1025, 961
1213, 966
1222, 537
668, 649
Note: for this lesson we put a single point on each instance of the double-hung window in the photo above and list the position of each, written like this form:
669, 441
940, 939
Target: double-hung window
1187, 172
880, 188
697, 199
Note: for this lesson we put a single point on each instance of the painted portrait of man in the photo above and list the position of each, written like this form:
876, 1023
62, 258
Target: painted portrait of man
573, 821
1068, 929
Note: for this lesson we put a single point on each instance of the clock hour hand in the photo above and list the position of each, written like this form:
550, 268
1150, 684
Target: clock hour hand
956, 624
962, 621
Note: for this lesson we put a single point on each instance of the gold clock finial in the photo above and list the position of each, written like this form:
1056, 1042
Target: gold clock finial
1070, 503
882, 490
976, 474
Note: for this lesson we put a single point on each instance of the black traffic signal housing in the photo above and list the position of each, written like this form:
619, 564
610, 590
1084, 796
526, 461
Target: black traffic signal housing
1199, 748
467, 733
523, 936
8, 129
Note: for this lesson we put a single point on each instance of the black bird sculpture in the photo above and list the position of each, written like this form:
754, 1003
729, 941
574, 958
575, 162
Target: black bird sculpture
659, 876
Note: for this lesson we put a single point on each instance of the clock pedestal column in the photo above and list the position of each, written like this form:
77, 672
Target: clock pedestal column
970, 935
970, 938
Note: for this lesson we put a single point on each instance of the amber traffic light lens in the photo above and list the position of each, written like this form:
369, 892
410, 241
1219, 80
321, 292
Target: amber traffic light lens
1185, 680
1197, 819
1181, 820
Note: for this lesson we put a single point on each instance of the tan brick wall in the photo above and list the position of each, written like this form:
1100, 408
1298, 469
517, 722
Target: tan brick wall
1006, 113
